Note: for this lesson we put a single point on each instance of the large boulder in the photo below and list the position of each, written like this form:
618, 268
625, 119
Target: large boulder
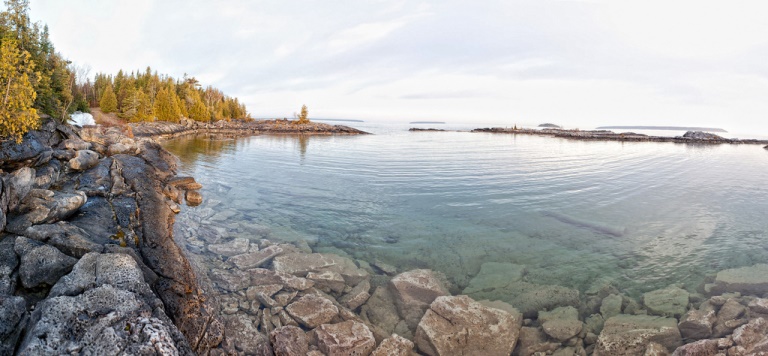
414, 291
19, 184
561, 323
698, 348
459, 325
752, 280
697, 324
346, 338
532, 298
380, 310
244, 336
631, 334
670, 302
44, 207
103, 307
84, 160
752, 338
41, 265
8, 263
66, 237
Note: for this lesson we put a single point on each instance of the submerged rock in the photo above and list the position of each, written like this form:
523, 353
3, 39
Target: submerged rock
752, 280
312, 310
493, 275
697, 324
299, 264
670, 302
289, 340
631, 335
459, 325
346, 338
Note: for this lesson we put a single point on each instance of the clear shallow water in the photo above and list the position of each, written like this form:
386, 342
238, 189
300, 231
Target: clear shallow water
640, 215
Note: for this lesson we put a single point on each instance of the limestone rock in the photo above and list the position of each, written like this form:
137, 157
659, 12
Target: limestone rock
327, 281
43, 265
66, 237
256, 258
299, 264
414, 291
380, 310
759, 305
611, 306
232, 248
357, 296
84, 160
121, 148
493, 275
394, 345
242, 332
312, 310
729, 317
655, 349
752, 337
12, 311
193, 198
75, 144
459, 325
19, 184
288, 341
631, 334
670, 302
543, 297
751, 280
346, 338
697, 324
8, 263
698, 348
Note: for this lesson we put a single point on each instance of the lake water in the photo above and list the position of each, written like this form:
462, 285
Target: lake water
639, 215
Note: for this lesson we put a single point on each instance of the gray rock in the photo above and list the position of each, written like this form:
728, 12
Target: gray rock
19, 184
459, 325
380, 310
43, 265
15, 154
346, 338
12, 311
752, 280
414, 291
670, 302
47, 175
45, 207
75, 144
97, 180
701, 135
257, 258
84, 160
102, 307
68, 238
631, 334
9, 261
121, 148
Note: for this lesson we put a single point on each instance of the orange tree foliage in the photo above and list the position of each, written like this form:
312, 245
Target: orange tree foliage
17, 114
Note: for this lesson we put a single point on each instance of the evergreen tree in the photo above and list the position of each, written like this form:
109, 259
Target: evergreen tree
17, 115
167, 106
108, 102
304, 116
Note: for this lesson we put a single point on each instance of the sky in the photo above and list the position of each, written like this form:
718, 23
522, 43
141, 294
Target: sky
579, 64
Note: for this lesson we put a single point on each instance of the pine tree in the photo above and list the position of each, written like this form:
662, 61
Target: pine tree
108, 102
167, 106
17, 115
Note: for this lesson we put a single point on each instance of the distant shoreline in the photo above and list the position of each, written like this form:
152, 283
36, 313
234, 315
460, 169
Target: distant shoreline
662, 128
427, 122
605, 135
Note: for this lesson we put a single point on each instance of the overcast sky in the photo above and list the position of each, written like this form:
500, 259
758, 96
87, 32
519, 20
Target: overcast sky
575, 63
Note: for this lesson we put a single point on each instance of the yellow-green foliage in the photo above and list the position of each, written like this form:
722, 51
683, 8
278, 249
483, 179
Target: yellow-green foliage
167, 106
17, 114
304, 116
108, 102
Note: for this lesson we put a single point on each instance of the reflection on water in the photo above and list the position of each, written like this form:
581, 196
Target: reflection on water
640, 215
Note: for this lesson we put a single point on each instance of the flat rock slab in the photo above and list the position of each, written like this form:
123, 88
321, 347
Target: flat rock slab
752, 280
312, 310
631, 334
257, 258
347, 338
289, 340
299, 264
494, 275
43, 265
394, 345
235, 247
669, 302
460, 325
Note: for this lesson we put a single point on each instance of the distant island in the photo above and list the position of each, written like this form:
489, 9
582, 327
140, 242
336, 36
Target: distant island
553, 126
428, 122
342, 120
670, 128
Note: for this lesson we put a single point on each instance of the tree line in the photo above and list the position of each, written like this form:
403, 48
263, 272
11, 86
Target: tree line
146, 96
35, 81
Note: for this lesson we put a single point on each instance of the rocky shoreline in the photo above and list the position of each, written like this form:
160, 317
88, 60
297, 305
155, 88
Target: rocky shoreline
605, 135
164, 130
89, 264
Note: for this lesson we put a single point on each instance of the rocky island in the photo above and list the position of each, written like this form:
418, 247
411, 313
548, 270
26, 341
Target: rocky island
606, 135
90, 265
160, 129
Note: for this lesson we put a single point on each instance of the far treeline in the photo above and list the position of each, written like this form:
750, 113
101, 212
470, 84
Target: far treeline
36, 80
